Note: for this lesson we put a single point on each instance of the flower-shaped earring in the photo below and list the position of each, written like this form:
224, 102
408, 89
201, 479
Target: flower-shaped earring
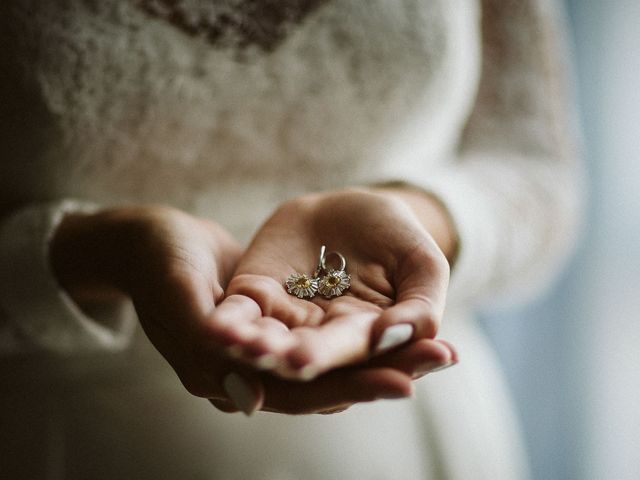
332, 284
302, 285
335, 281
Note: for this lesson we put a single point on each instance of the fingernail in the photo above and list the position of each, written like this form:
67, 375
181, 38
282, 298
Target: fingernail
284, 371
332, 411
394, 336
427, 369
307, 373
443, 367
240, 393
267, 361
396, 394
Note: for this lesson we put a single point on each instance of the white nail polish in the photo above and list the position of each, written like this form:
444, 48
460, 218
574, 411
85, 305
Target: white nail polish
429, 368
304, 374
284, 371
394, 336
268, 361
443, 367
240, 393
307, 373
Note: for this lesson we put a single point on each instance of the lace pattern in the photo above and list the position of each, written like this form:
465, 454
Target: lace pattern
236, 23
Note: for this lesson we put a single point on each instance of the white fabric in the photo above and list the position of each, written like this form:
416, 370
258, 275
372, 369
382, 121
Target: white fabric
109, 105
43, 315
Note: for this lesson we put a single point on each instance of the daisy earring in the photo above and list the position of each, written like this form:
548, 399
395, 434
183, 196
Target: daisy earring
335, 281
302, 285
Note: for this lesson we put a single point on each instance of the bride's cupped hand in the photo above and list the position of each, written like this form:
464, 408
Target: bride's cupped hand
398, 282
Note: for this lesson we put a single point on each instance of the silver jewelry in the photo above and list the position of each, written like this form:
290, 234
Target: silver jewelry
321, 262
335, 281
302, 285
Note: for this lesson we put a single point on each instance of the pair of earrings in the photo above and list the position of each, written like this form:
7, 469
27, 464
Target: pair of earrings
328, 282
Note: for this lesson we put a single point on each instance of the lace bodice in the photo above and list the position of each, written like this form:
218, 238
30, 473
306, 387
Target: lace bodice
133, 105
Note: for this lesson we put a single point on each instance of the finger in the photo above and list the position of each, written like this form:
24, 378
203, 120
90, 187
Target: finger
226, 381
244, 390
335, 390
387, 377
223, 405
267, 349
233, 321
340, 341
273, 300
421, 284
419, 358
339, 409
240, 323
206, 372
455, 358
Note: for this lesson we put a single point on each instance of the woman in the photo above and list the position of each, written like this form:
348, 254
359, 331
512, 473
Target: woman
144, 141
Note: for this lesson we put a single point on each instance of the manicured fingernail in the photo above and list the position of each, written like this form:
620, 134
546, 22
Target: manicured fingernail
268, 361
443, 367
284, 371
394, 336
307, 373
240, 393
395, 394
332, 411
431, 368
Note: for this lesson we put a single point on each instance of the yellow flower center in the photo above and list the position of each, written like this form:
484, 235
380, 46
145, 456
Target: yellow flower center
333, 281
303, 282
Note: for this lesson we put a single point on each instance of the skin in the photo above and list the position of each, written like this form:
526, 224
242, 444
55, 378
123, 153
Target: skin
398, 275
211, 309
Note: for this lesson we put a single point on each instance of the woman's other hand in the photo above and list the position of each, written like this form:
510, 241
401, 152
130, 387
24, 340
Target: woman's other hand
173, 266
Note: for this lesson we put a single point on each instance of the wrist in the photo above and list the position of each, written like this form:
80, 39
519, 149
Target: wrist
86, 255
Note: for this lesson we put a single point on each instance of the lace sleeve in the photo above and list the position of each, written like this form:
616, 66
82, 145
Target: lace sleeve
514, 189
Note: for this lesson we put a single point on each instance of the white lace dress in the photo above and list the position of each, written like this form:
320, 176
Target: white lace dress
225, 109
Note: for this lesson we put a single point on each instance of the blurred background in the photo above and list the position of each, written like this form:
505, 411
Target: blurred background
573, 358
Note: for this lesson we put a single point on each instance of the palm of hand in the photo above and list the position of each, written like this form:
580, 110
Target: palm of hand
398, 274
